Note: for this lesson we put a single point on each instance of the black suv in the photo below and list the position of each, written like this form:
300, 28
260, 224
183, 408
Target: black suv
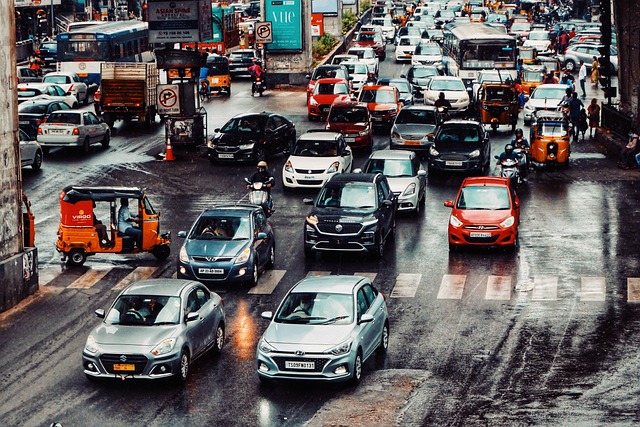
460, 146
354, 212
240, 60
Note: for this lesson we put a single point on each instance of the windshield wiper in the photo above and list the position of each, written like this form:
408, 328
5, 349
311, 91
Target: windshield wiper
334, 319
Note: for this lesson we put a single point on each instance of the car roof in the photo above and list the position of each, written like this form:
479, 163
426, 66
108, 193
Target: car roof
349, 104
460, 122
338, 284
43, 101
77, 193
392, 154
352, 177
241, 209
486, 180
164, 287
36, 85
320, 134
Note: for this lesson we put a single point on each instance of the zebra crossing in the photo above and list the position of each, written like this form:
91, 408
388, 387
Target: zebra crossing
539, 288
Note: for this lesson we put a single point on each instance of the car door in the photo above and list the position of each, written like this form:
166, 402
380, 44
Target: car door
207, 315
386, 212
366, 331
345, 152
260, 245
378, 310
193, 330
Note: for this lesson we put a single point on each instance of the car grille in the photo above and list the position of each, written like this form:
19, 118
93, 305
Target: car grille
492, 239
226, 149
212, 259
481, 227
309, 171
324, 108
318, 363
329, 227
139, 360
380, 113
454, 157
310, 181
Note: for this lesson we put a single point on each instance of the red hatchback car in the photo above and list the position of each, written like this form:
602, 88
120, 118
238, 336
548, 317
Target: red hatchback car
354, 121
486, 212
324, 93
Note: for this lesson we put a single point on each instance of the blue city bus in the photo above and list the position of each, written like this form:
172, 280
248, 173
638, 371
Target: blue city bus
82, 51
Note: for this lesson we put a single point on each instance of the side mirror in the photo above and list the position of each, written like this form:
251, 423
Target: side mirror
100, 313
308, 77
267, 315
366, 318
431, 137
496, 157
346, 152
357, 170
448, 203
216, 130
404, 76
422, 172
190, 317
387, 203
261, 236
182, 234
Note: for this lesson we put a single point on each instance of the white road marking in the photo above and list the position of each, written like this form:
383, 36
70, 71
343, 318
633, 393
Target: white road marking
406, 285
593, 289
498, 288
545, 288
452, 286
268, 282
89, 278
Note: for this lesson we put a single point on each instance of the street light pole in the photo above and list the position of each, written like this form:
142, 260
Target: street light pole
53, 22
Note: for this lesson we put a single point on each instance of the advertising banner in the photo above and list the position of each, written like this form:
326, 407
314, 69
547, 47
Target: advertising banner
286, 22
179, 21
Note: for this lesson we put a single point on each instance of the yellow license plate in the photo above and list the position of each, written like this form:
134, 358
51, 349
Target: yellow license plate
412, 142
82, 74
124, 367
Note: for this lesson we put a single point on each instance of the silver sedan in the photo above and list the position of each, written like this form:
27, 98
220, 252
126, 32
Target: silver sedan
325, 329
155, 329
73, 128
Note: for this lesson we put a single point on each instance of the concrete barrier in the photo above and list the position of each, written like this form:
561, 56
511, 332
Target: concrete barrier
18, 278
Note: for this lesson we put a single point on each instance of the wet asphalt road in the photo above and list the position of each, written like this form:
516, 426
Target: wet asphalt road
546, 335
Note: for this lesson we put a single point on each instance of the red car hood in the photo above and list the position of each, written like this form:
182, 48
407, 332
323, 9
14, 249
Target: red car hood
483, 217
329, 98
347, 127
375, 106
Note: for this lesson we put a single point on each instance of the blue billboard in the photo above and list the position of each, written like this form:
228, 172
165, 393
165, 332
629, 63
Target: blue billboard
286, 23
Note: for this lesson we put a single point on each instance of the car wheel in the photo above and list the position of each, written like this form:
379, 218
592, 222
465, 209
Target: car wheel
86, 146
106, 140
259, 154
37, 161
161, 252
356, 375
453, 248
570, 65
217, 347
76, 257
384, 340
272, 256
379, 250
253, 280
183, 373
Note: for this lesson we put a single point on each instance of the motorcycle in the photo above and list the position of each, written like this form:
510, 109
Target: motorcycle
442, 114
510, 168
260, 195
258, 85
204, 90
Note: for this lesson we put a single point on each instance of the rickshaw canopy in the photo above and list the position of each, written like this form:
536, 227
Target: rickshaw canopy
73, 194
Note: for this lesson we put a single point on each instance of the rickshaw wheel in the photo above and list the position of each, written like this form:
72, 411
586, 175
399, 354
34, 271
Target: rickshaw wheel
161, 252
76, 256
494, 128
228, 91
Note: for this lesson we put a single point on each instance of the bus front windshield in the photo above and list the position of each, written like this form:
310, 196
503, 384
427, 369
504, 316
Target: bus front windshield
488, 55
88, 50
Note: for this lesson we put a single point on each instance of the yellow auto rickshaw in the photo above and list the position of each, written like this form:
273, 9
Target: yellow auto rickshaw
218, 74
498, 105
550, 138
531, 77
528, 54
551, 64
81, 233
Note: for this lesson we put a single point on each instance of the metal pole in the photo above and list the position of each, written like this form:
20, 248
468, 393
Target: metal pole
53, 22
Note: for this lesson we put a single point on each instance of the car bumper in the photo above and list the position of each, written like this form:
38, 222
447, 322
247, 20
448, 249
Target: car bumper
358, 141
364, 241
230, 156
216, 273
463, 166
500, 237
411, 145
299, 180
48, 141
408, 203
145, 366
326, 367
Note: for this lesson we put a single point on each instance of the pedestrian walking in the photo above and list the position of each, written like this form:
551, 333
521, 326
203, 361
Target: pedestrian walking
582, 76
593, 112
575, 106
595, 72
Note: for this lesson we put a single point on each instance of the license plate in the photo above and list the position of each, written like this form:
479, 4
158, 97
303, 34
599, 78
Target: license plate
453, 163
124, 367
412, 142
57, 131
309, 177
349, 140
210, 270
214, 80
225, 156
22, 122
376, 119
299, 365
480, 234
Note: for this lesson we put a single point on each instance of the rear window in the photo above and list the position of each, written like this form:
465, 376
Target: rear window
28, 93
57, 79
73, 119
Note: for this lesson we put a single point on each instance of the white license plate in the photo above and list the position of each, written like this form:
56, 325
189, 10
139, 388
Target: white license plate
299, 365
453, 163
349, 140
57, 131
214, 80
225, 156
480, 234
22, 122
210, 270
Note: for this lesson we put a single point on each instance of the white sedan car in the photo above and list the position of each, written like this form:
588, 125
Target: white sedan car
367, 56
406, 47
69, 82
315, 157
30, 91
30, 151
73, 128
454, 91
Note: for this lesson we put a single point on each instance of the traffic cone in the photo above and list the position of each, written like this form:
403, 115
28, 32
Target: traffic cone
169, 151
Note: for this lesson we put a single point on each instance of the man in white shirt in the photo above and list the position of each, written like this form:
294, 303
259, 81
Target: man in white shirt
582, 76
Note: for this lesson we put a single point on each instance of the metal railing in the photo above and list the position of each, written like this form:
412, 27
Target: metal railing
616, 121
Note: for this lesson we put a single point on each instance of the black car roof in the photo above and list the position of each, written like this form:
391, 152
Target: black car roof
341, 178
241, 209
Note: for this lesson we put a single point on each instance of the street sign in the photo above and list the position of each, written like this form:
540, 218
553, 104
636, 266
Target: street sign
263, 32
168, 99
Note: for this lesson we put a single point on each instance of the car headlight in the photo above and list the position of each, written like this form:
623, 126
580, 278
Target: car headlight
334, 167
247, 146
454, 221
164, 347
312, 219
372, 221
433, 152
395, 135
508, 222
288, 167
393, 109
410, 190
313, 102
244, 256
265, 347
91, 346
364, 132
474, 153
184, 256
340, 349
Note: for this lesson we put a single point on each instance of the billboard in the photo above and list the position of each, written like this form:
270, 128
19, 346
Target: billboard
327, 7
286, 23
179, 21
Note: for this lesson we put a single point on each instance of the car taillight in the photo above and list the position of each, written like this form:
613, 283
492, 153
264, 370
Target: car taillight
39, 121
39, 131
70, 88
37, 51
76, 131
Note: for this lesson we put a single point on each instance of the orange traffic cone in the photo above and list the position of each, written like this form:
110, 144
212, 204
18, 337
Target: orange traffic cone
169, 151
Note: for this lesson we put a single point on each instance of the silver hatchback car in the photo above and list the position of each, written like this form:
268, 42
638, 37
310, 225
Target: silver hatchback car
155, 329
325, 329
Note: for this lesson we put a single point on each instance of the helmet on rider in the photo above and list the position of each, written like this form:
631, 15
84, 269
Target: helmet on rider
262, 164
508, 148
441, 95
519, 133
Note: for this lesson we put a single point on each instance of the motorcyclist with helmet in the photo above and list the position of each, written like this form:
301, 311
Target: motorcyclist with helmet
508, 154
264, 176
442, 106
520, 142
256, 72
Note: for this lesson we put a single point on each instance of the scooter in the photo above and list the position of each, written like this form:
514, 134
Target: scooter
509, 168
258, 85
259, 195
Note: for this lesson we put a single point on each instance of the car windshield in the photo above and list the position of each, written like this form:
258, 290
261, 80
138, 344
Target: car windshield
484, 198
549, 92
379, 96
310, 148
249, 124
321, 308
56, 79
498, 93
535, 35
356, 68
367, 38
329, 73
552, 129
532, 76
73, 119
423, 117
391, 168
144, 310
221, 228
348, 115
429, 49
360, 53
442, 84
520, 26
458, 134
423, 72
403, 86
331, 89
354, 195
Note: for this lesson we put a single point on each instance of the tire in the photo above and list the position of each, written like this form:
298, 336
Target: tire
228, 91
74, 106
379, 249
86, 145
254, 276
37, 161
219, 343
356, 375
570, 65
259, 154
183, 374
384, 340
272, 257
161, 252
106, 140
76, 257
